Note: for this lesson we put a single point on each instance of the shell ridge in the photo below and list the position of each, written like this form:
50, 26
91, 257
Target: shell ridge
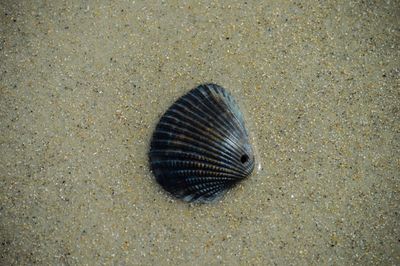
218, 99
198, 191
213, 193
227, 132
181, 162
189, 165
205, 126
233, 105
208, 184
211, 112
194, 165
204, 190
207, 174
227, 107
210, 195
221, 137
177, 154
200, 137
221, 99
205, 184
202, 150
187, 146
211, 117
185, 119
198, 100
230, 132
224, 150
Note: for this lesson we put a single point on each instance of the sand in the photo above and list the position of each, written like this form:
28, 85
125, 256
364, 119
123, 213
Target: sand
83, 84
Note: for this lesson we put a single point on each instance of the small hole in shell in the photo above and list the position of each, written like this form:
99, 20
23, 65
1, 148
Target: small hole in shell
244, 158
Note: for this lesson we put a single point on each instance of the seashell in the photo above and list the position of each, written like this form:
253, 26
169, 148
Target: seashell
200, 147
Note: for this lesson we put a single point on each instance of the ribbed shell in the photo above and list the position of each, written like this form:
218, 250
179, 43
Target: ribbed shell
200, 147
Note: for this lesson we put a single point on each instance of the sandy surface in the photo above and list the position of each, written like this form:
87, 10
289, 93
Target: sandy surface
83, 83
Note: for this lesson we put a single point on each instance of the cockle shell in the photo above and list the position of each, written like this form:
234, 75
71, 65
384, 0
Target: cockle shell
200, 147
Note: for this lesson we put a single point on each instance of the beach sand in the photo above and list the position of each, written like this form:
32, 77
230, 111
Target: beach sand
83, 84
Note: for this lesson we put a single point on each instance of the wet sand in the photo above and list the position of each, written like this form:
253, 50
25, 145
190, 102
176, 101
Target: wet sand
82, 86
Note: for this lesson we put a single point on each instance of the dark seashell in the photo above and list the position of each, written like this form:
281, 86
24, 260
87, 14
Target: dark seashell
200, 147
